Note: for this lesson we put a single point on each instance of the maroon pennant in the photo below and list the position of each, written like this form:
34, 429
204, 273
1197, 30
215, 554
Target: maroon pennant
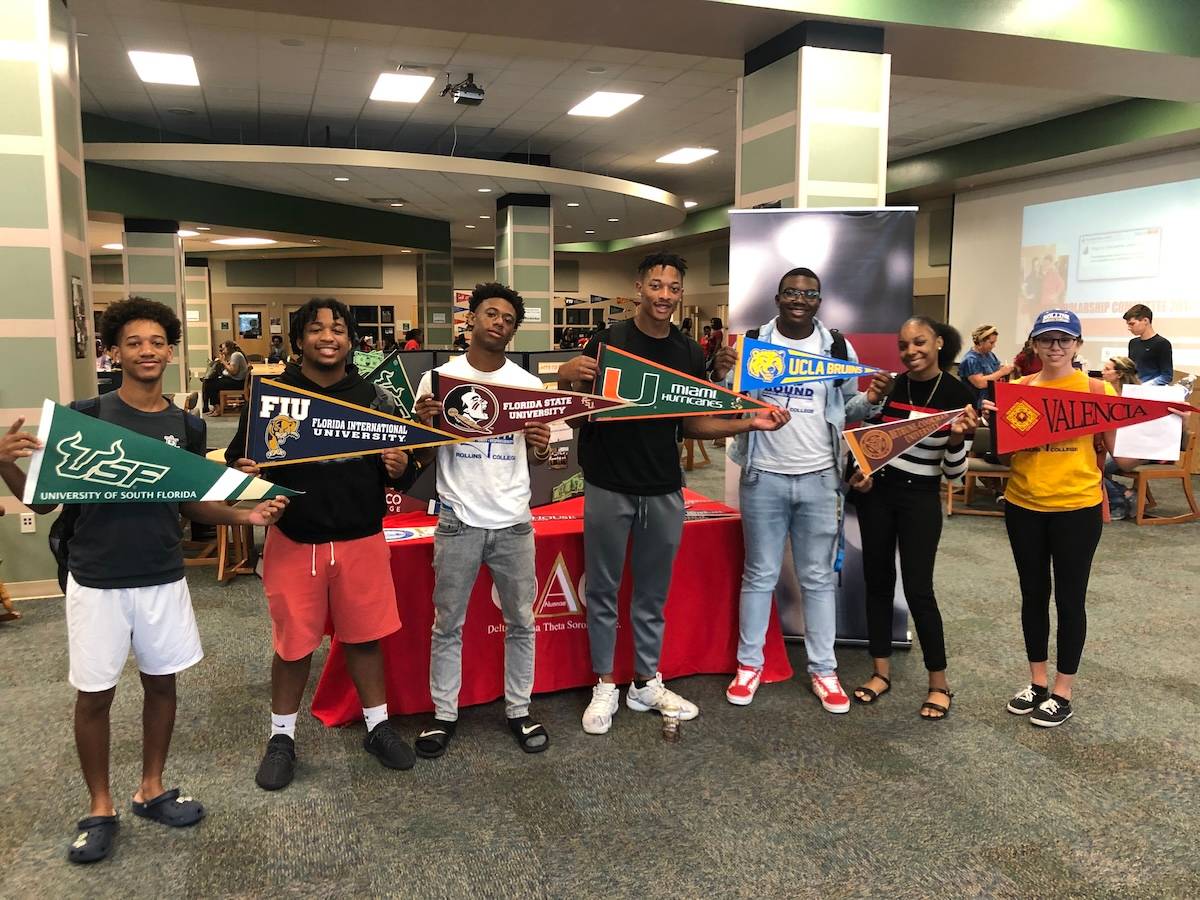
480, 409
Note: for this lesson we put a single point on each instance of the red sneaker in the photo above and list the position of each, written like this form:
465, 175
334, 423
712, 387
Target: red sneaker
829, 689
744, 685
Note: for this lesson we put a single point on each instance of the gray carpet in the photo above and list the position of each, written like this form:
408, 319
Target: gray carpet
776, 800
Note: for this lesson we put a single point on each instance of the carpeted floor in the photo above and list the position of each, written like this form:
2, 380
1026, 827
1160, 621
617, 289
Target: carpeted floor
776, 800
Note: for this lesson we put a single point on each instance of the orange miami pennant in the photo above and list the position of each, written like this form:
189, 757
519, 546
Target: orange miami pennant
874, 446
1030, 416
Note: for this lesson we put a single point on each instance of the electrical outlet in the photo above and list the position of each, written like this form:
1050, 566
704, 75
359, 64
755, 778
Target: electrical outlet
28, 523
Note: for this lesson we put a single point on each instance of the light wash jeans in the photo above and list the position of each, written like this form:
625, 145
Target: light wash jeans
458, 552
806, 508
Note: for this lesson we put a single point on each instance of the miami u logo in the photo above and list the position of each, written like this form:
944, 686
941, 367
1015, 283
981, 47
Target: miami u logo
109, 467
647, 392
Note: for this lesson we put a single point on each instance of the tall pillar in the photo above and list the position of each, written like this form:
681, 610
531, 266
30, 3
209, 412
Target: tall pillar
197, 321
153, 263
525, 262
812, 119
46, 331
435, 298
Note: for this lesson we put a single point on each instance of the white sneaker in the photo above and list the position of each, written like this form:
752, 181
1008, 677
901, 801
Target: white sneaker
656, 697
598, 716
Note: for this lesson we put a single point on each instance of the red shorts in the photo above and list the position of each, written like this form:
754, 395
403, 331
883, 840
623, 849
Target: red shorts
349, 582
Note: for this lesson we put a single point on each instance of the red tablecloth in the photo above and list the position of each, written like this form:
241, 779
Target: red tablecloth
701, 631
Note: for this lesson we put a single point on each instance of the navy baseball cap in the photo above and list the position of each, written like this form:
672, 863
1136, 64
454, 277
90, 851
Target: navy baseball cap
1057, 320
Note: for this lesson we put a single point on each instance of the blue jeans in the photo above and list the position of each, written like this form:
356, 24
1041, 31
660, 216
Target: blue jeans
806, 508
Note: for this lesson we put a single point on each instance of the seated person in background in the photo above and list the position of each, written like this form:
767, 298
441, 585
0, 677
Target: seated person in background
569, 340
1149, 350
1026, 362
980, 367
413, 339
229, 376
1120, 371
277, 354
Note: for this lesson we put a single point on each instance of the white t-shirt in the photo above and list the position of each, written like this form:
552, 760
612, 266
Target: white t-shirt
804, 444
485, 482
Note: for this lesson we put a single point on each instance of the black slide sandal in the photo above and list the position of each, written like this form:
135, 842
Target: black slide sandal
942, 711
170, 809
531, 736
433, 741
94, 841
872, 696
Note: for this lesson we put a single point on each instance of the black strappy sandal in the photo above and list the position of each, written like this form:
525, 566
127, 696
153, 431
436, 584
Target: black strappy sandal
872, 696
942, 711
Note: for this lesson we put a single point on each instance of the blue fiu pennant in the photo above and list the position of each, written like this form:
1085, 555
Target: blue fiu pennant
762, 366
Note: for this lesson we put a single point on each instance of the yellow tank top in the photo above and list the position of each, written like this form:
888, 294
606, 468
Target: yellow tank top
1057, 477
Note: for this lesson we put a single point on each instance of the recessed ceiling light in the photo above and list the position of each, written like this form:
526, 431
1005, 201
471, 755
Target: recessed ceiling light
614, 220
603, 104
589, 232
244, 241
406, 251
165, 68
396, 88
184, 232
344, 178
485, 217
572, 204
470, 226
596, 70
292, 42
686, 156
395, 204
181, 111
82, 34
688, 204
203, 228
112, 246
486, 247
314, 242
484, 190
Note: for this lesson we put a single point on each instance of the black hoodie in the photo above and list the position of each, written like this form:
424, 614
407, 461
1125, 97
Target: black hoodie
343, 498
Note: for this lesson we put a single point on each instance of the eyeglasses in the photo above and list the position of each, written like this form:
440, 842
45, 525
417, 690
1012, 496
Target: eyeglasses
796, 294
1048, 342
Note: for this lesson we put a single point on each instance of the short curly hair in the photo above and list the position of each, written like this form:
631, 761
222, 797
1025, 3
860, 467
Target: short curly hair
492, 290
133, 309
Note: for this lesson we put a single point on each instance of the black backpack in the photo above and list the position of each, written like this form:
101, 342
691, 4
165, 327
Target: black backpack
618, 336
63, 528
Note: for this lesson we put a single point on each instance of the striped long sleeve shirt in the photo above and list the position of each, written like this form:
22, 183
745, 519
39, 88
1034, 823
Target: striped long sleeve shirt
924, 464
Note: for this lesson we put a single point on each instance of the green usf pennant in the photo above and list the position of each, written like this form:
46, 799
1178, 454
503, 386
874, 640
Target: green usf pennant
87, 460
660, 392
389, 374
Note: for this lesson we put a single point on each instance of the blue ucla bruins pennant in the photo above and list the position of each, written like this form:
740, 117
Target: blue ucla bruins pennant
287, 425
764, 365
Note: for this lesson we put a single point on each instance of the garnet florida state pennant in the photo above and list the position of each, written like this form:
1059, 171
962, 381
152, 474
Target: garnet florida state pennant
474, 409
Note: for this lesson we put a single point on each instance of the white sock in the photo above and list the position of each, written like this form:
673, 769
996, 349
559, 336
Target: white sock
375, 715
281, 724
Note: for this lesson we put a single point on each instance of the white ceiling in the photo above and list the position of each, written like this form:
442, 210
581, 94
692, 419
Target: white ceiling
268, 78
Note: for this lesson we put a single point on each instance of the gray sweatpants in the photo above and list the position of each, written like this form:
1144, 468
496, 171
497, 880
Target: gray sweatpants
657, 527
458, 552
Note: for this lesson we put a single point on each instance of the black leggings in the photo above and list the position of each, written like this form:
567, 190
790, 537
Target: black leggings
893, 512
1067, 540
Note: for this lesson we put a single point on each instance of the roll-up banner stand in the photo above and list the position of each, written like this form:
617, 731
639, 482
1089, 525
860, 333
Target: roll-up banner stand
864, 258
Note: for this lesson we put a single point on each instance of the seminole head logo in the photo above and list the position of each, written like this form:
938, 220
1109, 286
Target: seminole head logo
471, 408
279, 430
765, 365
1021, 416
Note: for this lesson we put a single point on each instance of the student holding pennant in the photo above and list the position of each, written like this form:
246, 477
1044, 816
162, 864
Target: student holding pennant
632, 478
125, 585
327, 558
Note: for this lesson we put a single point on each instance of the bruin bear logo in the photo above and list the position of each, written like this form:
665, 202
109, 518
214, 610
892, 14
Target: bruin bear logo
110, 467
280, 429
765, 365
471, 408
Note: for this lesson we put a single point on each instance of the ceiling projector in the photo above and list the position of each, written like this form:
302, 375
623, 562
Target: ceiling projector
466, 92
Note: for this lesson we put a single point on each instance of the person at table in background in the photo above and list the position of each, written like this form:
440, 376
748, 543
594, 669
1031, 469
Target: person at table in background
1118, 372
277, 353
791, 483
460, 341
484, 491
1149, 350
125, 587
414, 339
228, 373
980, 367
328, 559
1026, 362
716, 338
1053, 520
899, 507
633, 485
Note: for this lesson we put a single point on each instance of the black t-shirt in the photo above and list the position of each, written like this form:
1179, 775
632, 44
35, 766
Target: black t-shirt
123, 545
640, 457
1152, 357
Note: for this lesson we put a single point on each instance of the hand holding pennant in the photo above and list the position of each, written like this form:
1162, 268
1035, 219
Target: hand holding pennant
473, 410
286, 424
874, 446
1029, 416
765, 365
84, 459
658, 392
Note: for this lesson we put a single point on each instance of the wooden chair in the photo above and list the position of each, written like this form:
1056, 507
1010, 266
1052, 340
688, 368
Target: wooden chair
690, 445
1182, 469
977, 467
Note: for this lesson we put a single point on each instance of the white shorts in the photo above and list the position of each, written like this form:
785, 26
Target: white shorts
103, 623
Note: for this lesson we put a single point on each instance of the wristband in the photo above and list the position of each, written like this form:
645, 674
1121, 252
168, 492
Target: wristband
541, 455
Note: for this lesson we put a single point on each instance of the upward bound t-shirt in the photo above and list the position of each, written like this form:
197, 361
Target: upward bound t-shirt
804, 444
640, 457
485, 482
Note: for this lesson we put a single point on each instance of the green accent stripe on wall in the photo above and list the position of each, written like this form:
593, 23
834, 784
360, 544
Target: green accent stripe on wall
29, 355
769, 161
25, 274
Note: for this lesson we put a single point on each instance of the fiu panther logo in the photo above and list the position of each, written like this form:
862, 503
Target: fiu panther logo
109, 467
765, 365
280, 429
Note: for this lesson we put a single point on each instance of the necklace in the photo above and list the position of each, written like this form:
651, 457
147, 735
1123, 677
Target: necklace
929, 396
